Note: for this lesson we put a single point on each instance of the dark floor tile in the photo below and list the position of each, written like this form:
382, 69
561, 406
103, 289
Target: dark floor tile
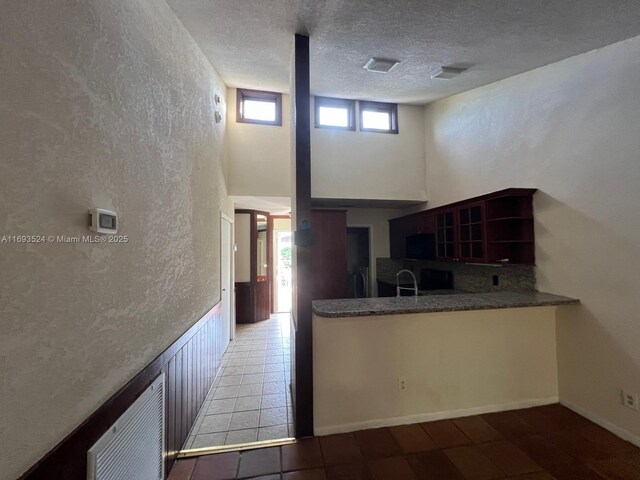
509, 424
263, 461
619, 449
574, 472
616, 469
477, 429
543, 451
342, 448
301, 455
473, 464
182, 469
412, 438
351, 471
576, 446
377, 443
433, 465
394, 468
509, 458
537, 419
598, 435
315, 474
611, 444
221, 466
563, 417
445, 434
276, 476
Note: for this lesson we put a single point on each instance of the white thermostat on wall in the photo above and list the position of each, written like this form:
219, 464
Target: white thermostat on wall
103, 221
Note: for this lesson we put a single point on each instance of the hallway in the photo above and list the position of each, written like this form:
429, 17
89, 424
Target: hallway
250, 399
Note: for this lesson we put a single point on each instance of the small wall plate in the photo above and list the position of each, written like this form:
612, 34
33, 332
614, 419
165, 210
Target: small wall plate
103, 221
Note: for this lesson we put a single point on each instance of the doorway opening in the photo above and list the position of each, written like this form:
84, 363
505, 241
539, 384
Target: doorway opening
282, 261
358, 262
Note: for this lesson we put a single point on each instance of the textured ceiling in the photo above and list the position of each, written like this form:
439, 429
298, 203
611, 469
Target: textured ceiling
249, 42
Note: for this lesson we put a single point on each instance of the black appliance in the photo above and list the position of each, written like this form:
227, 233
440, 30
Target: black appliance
432, 279
421, 246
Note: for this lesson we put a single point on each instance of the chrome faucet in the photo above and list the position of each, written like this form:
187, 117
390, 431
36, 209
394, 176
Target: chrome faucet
415, 283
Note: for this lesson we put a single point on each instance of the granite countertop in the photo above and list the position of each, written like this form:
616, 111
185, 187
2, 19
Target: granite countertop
359, 307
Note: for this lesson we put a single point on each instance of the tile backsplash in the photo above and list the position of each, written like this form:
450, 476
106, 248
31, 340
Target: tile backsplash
469, 277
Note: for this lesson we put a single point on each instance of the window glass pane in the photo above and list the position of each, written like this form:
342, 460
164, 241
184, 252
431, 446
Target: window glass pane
334, 116
448, 219
464, 216
257, 110
476, 214
377, 120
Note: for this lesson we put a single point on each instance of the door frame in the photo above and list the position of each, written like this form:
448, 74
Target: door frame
274, 244
373, 284
232, 295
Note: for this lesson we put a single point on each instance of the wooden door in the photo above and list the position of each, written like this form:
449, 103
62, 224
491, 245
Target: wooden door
329, 254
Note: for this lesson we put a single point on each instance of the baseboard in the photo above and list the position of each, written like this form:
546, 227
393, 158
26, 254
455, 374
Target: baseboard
428, 417
612, 427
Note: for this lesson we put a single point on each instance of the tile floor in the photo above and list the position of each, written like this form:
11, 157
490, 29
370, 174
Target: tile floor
250, 399
541, 443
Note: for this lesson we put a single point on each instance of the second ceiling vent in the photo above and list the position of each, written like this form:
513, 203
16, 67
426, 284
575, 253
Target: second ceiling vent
447, 73
381, 65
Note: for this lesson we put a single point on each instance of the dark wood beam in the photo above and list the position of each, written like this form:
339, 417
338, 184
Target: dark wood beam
303, 286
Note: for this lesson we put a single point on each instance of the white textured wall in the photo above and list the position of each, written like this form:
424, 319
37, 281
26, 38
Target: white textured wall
242, 237
453, 363
571, 130
103, 104
378, 221
259, 157
370, 165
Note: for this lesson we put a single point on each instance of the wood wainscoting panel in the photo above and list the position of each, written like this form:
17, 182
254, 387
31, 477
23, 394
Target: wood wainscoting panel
244, 302
262, 301
190, 365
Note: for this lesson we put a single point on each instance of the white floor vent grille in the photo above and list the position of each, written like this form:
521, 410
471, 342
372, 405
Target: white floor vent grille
133, 447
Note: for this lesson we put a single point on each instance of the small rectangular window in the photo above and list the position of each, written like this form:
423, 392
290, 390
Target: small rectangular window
335, 113
378, 117
254, 106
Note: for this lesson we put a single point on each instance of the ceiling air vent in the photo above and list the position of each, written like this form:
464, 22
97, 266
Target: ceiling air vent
380, 65
447, 73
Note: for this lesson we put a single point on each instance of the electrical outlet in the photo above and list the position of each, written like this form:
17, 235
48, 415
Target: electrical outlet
629, 400
402, 384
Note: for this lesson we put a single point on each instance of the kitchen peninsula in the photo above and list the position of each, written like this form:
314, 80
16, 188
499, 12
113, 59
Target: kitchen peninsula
399, 360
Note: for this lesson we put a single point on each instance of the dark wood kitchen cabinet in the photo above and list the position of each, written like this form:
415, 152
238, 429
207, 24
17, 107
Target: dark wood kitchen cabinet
446, 234
329, 254
401, 228
398, 232
492, 228
510, 235
471, 229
